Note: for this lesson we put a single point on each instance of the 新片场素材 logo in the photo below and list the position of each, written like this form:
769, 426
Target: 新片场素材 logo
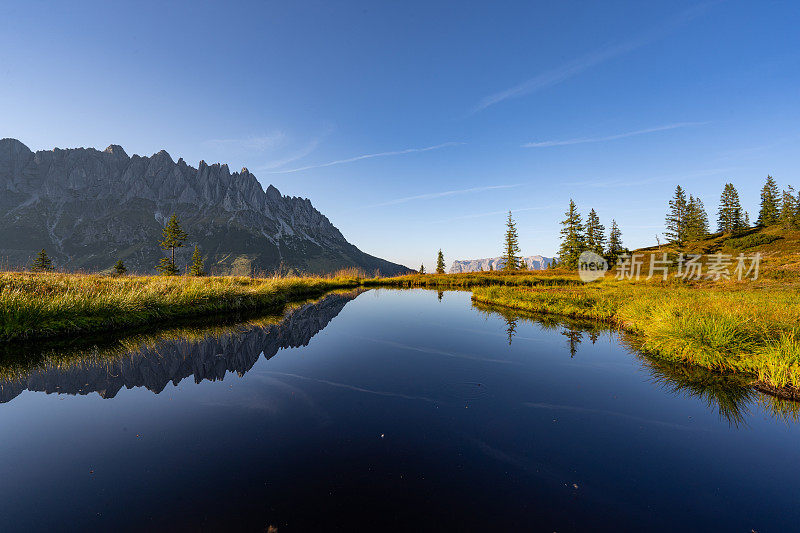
591, 266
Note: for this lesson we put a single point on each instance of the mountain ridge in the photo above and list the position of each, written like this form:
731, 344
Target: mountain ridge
89, 208
533, 262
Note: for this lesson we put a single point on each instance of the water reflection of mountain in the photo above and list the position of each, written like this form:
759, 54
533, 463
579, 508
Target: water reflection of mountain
154, 363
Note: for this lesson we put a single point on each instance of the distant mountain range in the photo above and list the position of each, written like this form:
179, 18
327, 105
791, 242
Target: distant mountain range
89, 208
534, 262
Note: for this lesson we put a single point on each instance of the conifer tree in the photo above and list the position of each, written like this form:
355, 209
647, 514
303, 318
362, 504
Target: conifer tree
615, 247
42, 263
770, 204
746, 222
573, 239
119, 268
173, 236
696, 220
197, 263
422, 268
595, 234
510, 257
788, 216
676, 218
729, 219
440, 263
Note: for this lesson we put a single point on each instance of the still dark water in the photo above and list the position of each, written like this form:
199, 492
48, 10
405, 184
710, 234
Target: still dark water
390, 410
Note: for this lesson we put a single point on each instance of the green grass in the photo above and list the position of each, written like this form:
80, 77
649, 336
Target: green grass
750, 328
36, 306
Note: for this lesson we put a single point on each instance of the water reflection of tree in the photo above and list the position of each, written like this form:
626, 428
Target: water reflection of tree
440, 294
731, 395
574, 338
511, 328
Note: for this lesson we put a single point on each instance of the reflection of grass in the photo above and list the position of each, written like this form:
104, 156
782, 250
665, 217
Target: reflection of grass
49, 304
20, 359
730, 394
753, 329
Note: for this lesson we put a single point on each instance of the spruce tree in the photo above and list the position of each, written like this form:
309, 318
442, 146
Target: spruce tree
729, 219
770, 204
788, 217
615, 247
595, 234
440, 263
696, 220
42, 263
422, 268
573, 239
197, 263
676, 218
511, 252
119, 268
173, 236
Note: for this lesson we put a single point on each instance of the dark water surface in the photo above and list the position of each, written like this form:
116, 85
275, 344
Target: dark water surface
392, 410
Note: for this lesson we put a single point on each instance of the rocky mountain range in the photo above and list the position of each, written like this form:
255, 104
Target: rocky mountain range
534, 262
89, 208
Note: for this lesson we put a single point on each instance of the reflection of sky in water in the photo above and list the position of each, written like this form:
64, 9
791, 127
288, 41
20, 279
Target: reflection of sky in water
391, 409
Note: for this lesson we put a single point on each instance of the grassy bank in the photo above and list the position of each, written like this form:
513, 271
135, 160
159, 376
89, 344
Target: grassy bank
50, 305
468, 280
751, 328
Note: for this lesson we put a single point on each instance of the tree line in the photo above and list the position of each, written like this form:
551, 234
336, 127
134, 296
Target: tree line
687, 219
173, 237
578, 237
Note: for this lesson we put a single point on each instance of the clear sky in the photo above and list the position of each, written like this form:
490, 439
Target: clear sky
416, 125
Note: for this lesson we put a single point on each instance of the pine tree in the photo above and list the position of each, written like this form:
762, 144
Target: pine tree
770, 200
511, 253
573, 239
676, 218
595, 234
788, 217
614, 243
119, 268
422, 268
42, 263
729, 219
696, 220
197, 263
746, 220
174, 236
440, 263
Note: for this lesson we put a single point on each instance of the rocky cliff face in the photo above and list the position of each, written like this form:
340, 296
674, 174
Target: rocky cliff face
534, 262
155, 366
89, 208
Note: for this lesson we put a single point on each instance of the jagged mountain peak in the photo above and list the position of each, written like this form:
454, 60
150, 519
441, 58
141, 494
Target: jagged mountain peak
89, 208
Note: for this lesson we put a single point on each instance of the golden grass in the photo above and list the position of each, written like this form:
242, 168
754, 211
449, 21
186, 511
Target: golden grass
50, 304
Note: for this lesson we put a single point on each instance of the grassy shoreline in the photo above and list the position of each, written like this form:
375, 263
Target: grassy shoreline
40, 306
751, 329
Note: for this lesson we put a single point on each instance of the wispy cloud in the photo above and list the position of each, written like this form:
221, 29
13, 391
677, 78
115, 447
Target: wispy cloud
576, 66
368, 156
254, 143
583, 140
294, 156
442, 194
627, 182
495, 213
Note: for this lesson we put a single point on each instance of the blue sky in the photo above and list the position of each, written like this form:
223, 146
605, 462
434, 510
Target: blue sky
416, 125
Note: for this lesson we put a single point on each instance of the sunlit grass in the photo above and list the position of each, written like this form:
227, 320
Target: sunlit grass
747, 328
51, 304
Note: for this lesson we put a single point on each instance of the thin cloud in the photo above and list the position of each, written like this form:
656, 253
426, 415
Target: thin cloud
584, 140
299, 154
653, 179
433, 195
576, 66
493, 213
368, 156
255, 143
